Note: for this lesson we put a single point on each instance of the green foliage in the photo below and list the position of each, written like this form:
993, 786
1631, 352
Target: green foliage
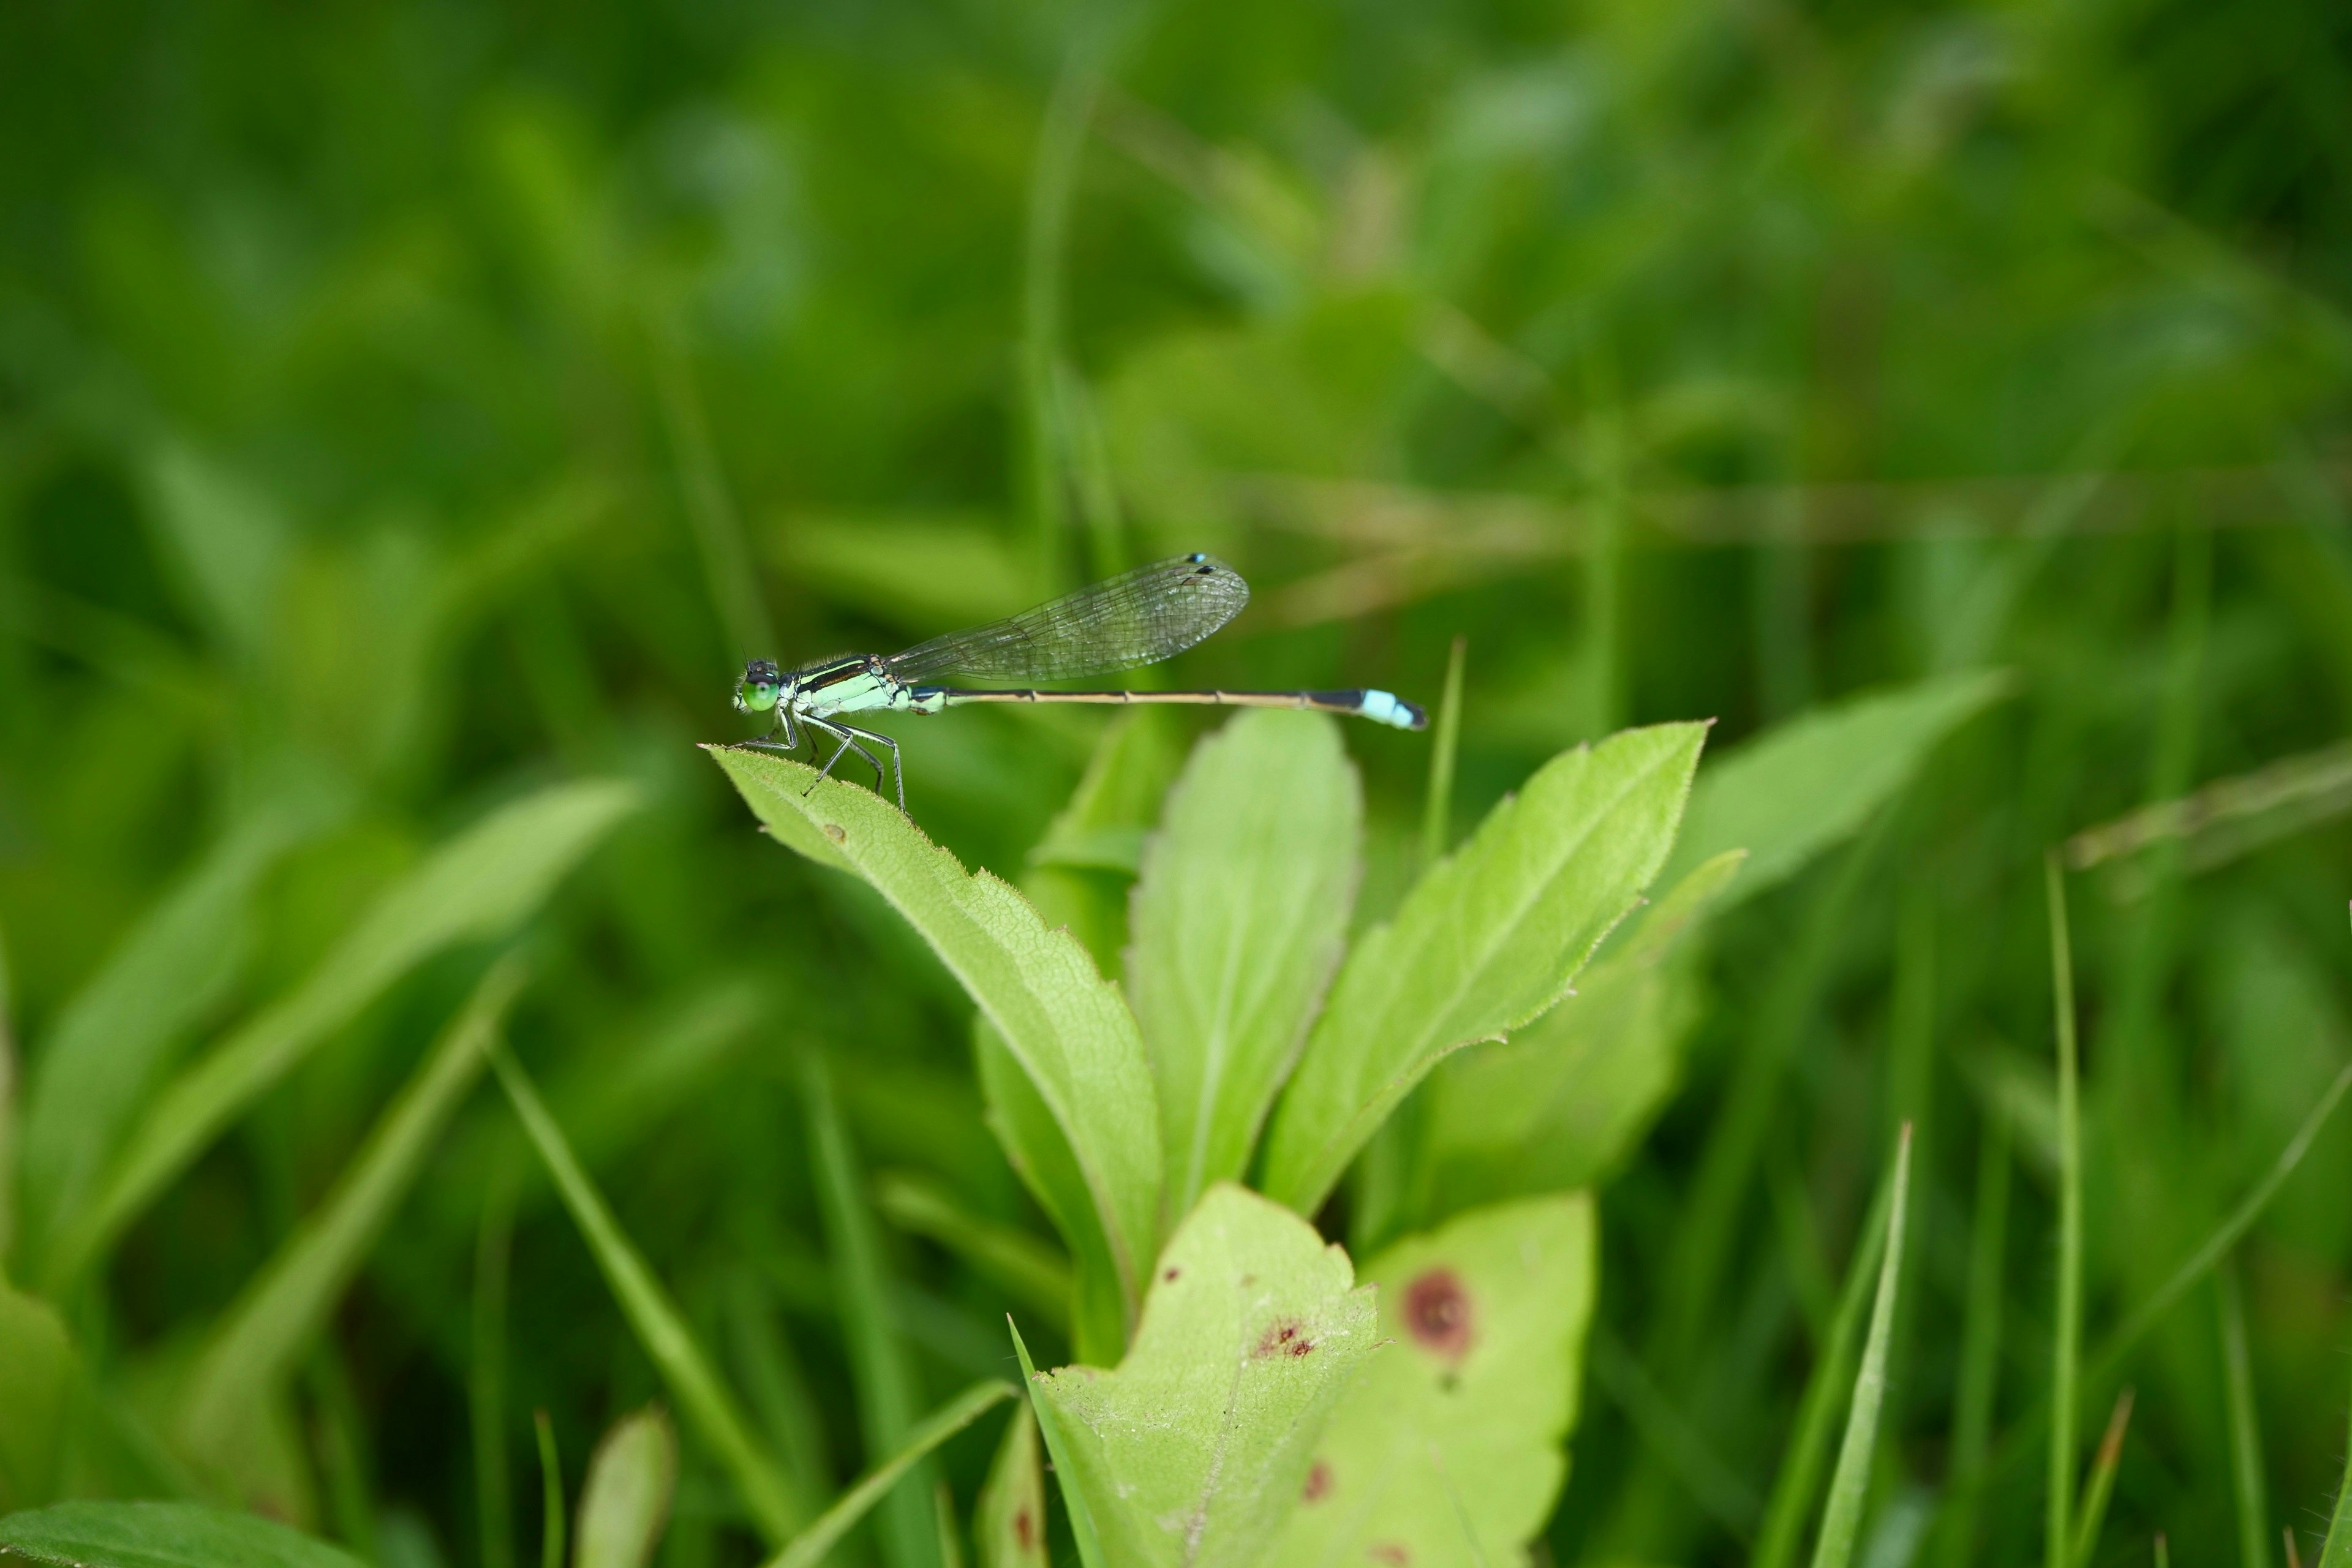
626, 1499
1240, 910
1195, 1447
38, 1376
1849, 1483
1068, 1028
1447, 1448
1486, 942
809, 1548
1009, 1520
158, 1535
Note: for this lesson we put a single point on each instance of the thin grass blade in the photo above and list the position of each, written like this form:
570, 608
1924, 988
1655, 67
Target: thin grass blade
292, 1297
2335, 1552
809, 1548
1437, 807
774, 1498
2103, 1482
1850, 1483
2067, 1330
2245, 1428
550, 1494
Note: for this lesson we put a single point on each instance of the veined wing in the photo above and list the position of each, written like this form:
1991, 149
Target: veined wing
1138, 617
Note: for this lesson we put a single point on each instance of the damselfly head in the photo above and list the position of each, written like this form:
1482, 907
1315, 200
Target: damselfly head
761, 685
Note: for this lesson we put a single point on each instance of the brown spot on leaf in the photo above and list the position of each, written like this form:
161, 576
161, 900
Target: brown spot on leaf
1025, 1529
1169, 1274
1437, 1314
833, 831
1283, 1336
1389, 1551
1318, 1483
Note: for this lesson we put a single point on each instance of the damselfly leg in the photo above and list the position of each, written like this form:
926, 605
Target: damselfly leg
850, 735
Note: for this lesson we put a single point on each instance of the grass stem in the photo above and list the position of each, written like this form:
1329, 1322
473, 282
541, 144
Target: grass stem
2067, 1330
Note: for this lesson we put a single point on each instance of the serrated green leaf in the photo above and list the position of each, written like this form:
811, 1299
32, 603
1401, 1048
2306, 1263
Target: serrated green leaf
479, 885
1798, 789
1193, 1450
1240, 915
1009, 1521
1488, 940
290, 1297
36, 1374
1068, 1028
103, 1056
624, 1501
1449, 1449
159, 1535
1556, 1106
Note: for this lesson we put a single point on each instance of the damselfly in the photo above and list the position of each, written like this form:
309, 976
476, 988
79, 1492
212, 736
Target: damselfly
1140, 617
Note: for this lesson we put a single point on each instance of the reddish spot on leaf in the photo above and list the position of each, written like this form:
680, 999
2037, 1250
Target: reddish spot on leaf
1318, 1483
1437, 1314
1283, 1336
1024, 1532
1170, 1275
1389, 1551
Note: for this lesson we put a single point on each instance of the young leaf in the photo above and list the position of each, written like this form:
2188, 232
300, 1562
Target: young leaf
1068, 1028
104, 1054
1010, 1520
2335, 1552
36, 1374
809, 1549
1556, 1106
1448, 1448
159, 1535
1239, 917
1488, 940
773, 1498
290, 1299
624, 1501
476, 886
1194, 1450
1798, 789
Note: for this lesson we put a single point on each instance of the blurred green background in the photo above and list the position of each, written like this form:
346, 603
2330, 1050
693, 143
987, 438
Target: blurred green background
404, 406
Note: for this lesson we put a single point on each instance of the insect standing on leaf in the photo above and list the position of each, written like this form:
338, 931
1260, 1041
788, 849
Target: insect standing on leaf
1138, 617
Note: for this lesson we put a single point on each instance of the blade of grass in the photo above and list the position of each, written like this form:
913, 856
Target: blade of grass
1850, 1482
774, 1497
717, 529
292, 1297
950, 1538
1437, 809
486, 1381
2245, 1429
1792, 1490
1711, 1480
550, 1493
2103, 1482
2067, 1330
774, 1383
1024, 1265
809, 1548
479, 884
1980, 1372
886, 1398
7, 1117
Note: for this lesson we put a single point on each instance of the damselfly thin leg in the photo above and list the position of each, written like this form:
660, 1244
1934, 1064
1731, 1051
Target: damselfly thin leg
849, 744
898, 767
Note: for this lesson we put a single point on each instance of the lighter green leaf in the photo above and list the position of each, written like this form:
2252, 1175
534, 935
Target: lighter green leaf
1842, 1518
774, 1500
37, 1374
1449, 1449
1488, 940
159, 1535
1009, 1521
102, 1059
281, 1311
1240, 916
1556, 1106
1796, 790
1194, 1450
1068, 1028
624, 1501
479, 885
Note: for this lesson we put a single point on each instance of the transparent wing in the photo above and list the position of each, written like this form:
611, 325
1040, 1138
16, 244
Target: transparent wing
1138, 617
